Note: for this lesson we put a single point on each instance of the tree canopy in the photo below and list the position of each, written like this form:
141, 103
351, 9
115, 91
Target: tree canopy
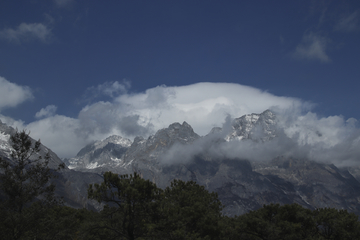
25, 186
135, 208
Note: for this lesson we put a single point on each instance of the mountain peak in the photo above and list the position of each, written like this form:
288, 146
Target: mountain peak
116, 139
183, 132
254, 126
177, 125
185, 124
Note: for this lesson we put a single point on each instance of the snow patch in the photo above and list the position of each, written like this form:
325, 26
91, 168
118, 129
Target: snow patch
116, 159
92, 165
4, 137
4, 142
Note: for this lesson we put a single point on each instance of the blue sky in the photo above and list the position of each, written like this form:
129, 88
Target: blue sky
66, 64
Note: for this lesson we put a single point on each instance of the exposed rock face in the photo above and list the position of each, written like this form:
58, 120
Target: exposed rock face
257, 127
319, 185
242, 185
108, 152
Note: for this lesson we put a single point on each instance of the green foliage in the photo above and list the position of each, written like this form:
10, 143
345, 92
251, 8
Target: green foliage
279, 222
336, 224
24, 186
26, 178
132, 209
292, 222
191, 212
136, 208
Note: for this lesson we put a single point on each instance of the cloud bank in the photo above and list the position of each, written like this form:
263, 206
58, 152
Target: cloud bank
304, 136
301, 133
202, 105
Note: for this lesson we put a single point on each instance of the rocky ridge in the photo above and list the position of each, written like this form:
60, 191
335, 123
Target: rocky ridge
242, 185
108, 152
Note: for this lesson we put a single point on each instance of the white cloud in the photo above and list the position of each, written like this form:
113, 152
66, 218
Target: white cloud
26, 32
12, 94
328, 140
48, 111
312, 47
203, 105
59, 134
349, 23
19, 124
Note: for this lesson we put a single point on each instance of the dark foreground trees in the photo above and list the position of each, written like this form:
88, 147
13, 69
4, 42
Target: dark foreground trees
185, 210
25, 188
135, 208
292, 222
189, 211
132, 208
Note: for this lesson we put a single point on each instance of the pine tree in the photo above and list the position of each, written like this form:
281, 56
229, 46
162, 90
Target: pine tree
132, 206
25, 186
190, 212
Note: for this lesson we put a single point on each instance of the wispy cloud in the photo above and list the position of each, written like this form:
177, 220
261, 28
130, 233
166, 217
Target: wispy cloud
63, 3
12, 94
348, 23
108, 89
312, 47
48, 111
27, 32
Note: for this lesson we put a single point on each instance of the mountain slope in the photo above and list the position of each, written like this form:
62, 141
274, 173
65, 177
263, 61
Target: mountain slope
177, 152
107, 152
242, 185
71, 185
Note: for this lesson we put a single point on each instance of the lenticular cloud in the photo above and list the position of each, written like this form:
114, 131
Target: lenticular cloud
203, 106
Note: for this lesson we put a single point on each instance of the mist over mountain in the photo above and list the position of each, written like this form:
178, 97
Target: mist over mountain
70, 185
252, 160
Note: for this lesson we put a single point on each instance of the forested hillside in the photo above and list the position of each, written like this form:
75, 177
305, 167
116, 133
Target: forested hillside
135, 208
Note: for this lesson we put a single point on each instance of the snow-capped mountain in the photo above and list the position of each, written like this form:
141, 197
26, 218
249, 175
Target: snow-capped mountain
70, 185
242, 185
108, 152
152, 148
5, 147
257, 127
118, 152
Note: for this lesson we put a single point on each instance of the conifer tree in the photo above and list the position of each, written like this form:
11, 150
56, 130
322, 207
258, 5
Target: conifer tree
190, 212
25, 186
132, 206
